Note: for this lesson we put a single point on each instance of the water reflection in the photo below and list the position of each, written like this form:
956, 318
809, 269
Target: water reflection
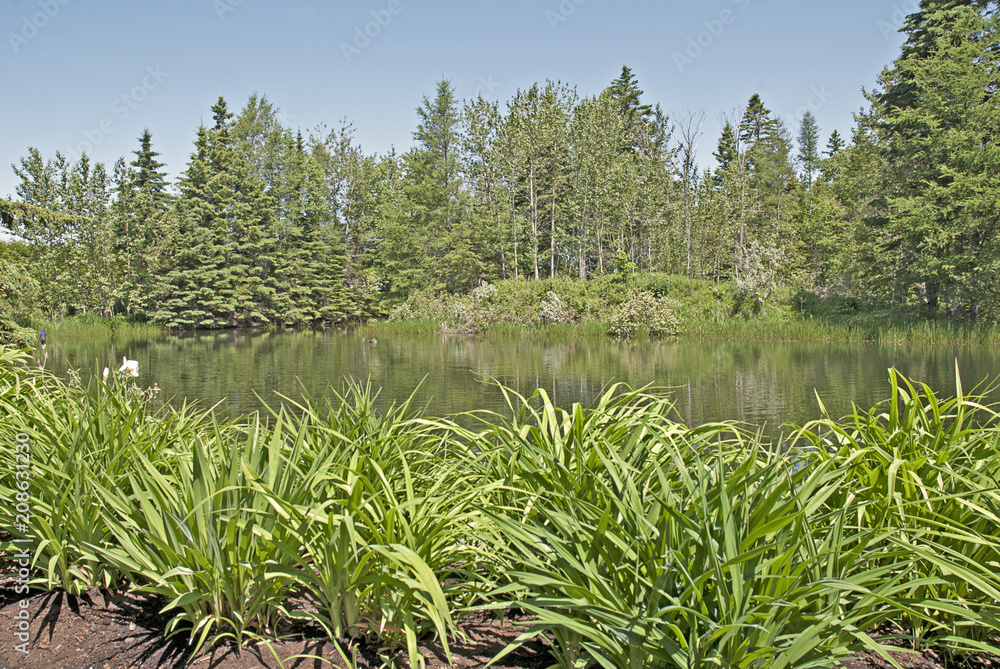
762, 384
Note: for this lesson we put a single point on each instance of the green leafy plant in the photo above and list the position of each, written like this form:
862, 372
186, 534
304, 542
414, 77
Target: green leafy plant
644, 312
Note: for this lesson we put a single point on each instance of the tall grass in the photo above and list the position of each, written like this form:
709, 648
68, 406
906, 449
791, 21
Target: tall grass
634, 540
82, 444
92, 325
780, 324
638, 543
925, 473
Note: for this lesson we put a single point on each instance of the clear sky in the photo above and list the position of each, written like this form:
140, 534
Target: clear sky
91, 74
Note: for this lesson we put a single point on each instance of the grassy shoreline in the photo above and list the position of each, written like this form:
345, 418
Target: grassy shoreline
571, 308
697, 308
634, 540
94, 326
855, 329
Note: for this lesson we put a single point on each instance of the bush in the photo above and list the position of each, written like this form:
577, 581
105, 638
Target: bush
483, 293
420, 306
758, 278
644, 311
459, 316
553, 309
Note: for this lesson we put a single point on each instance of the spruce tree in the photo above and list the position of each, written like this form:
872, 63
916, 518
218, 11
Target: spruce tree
808, 157
934, 121
137, 221
727, 149
834, 145
427, 242
149, 177
626, 92
185, 295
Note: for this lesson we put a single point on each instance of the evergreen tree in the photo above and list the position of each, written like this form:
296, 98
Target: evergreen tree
138, 212
756, 123
188, 295
309, 266
935, 123
149, 177
427, 239
727, 151
834, 145
626, 92
242, 217
808, 156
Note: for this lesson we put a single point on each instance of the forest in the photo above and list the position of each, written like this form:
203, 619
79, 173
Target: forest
267, 226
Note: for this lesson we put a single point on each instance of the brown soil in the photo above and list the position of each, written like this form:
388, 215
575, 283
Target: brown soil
126, 632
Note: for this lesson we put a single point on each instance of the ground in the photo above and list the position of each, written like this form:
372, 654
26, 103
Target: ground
96, 631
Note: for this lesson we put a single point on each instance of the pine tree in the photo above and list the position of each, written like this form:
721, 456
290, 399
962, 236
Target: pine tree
834, 145
149, 177
626, 92
935, 123
137, 222
808, 157
187, 295
756, 123
427, 238
727, 150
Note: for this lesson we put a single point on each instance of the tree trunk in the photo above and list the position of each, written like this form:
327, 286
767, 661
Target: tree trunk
552, 236
533, 197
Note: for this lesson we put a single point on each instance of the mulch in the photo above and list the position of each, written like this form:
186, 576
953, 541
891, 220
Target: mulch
125, 631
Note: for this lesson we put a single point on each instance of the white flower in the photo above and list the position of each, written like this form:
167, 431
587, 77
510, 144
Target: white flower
131, 366
104, 376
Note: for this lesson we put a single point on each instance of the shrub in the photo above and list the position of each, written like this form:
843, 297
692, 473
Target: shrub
553, 309
758, 278
420, 306
459, 316
483, 293
644, 311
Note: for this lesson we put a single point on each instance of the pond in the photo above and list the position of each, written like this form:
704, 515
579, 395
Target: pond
761, 384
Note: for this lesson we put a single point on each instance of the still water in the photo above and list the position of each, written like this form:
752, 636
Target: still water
761, 384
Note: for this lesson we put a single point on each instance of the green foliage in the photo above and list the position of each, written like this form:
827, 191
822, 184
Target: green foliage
934, 139
808, 140
633, 540
254, 243
553, 309
275, 229
687, 548
758, 278
643, 311
84, 443
20, 295
623, 266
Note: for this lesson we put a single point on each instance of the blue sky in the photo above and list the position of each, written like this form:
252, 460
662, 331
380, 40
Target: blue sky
91, 74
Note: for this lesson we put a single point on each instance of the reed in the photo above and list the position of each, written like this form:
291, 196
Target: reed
91, 325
